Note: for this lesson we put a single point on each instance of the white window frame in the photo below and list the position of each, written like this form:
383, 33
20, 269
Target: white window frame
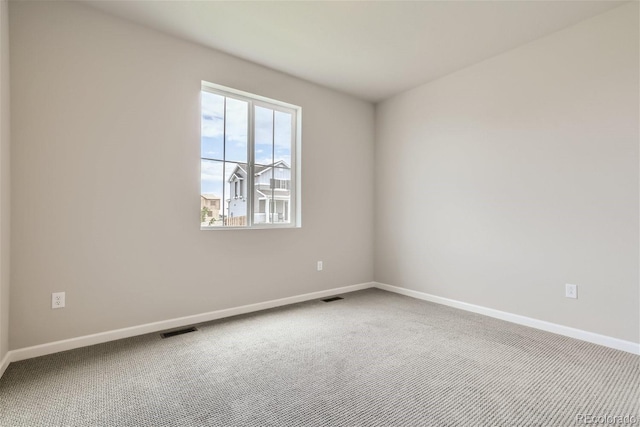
295, 201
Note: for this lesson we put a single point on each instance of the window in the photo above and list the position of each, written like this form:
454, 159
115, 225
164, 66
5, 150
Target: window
280, 184
249, 159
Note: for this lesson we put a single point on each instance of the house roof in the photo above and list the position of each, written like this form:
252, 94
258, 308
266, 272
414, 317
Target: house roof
236, 172
210, 196
259, 169
279, 164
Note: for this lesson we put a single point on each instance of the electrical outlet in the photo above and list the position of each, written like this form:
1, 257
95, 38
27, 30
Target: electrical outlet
319, 265
571, 291
57, 300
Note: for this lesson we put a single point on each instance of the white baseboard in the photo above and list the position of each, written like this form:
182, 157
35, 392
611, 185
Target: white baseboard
5, 363
70, 344
618, 344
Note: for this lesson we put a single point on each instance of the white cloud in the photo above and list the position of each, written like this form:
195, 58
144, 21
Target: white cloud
283, 130
265, 133
269, 160
212, 107
210, 171
211, 175
213, 118
272, 140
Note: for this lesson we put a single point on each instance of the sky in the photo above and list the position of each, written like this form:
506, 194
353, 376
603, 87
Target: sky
272, 138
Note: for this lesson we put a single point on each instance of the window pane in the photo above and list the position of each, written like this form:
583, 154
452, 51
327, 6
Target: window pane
226, 139
263, 135
262, 195
272, 195
281, 195
236, 194
237, 125
282, 137
212, 125
211, 193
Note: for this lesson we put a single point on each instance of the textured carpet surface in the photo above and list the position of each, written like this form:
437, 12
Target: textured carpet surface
371, 359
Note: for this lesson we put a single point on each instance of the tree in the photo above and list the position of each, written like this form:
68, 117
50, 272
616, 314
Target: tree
204, 213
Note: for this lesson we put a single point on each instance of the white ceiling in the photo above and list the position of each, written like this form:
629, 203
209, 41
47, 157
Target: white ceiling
369, 49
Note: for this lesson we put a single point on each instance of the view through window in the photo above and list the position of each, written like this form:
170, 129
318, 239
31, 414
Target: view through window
248, 160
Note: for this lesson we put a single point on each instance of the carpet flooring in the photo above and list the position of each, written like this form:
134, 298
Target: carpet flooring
371, 359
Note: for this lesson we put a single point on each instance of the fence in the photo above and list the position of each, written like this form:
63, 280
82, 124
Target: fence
236, 221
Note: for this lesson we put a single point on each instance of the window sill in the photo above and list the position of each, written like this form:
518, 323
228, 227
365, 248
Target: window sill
255, 227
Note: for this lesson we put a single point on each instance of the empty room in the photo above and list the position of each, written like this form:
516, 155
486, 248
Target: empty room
319, 213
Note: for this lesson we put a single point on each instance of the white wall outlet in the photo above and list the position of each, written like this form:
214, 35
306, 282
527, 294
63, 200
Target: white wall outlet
57, 300
571, 291
319, 265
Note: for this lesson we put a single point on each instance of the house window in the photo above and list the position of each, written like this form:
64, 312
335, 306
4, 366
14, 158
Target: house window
280, 184
249, 156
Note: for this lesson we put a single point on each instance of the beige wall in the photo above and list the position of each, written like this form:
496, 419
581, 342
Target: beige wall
495, 185
104, 111
4, 179
498, 184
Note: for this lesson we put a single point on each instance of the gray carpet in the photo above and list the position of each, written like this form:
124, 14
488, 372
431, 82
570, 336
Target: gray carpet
372, 359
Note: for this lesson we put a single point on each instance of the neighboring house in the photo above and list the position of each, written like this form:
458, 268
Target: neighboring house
237, 201
271, 201
211, 203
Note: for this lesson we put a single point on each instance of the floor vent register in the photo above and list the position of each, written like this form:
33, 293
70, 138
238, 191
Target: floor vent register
178, 332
